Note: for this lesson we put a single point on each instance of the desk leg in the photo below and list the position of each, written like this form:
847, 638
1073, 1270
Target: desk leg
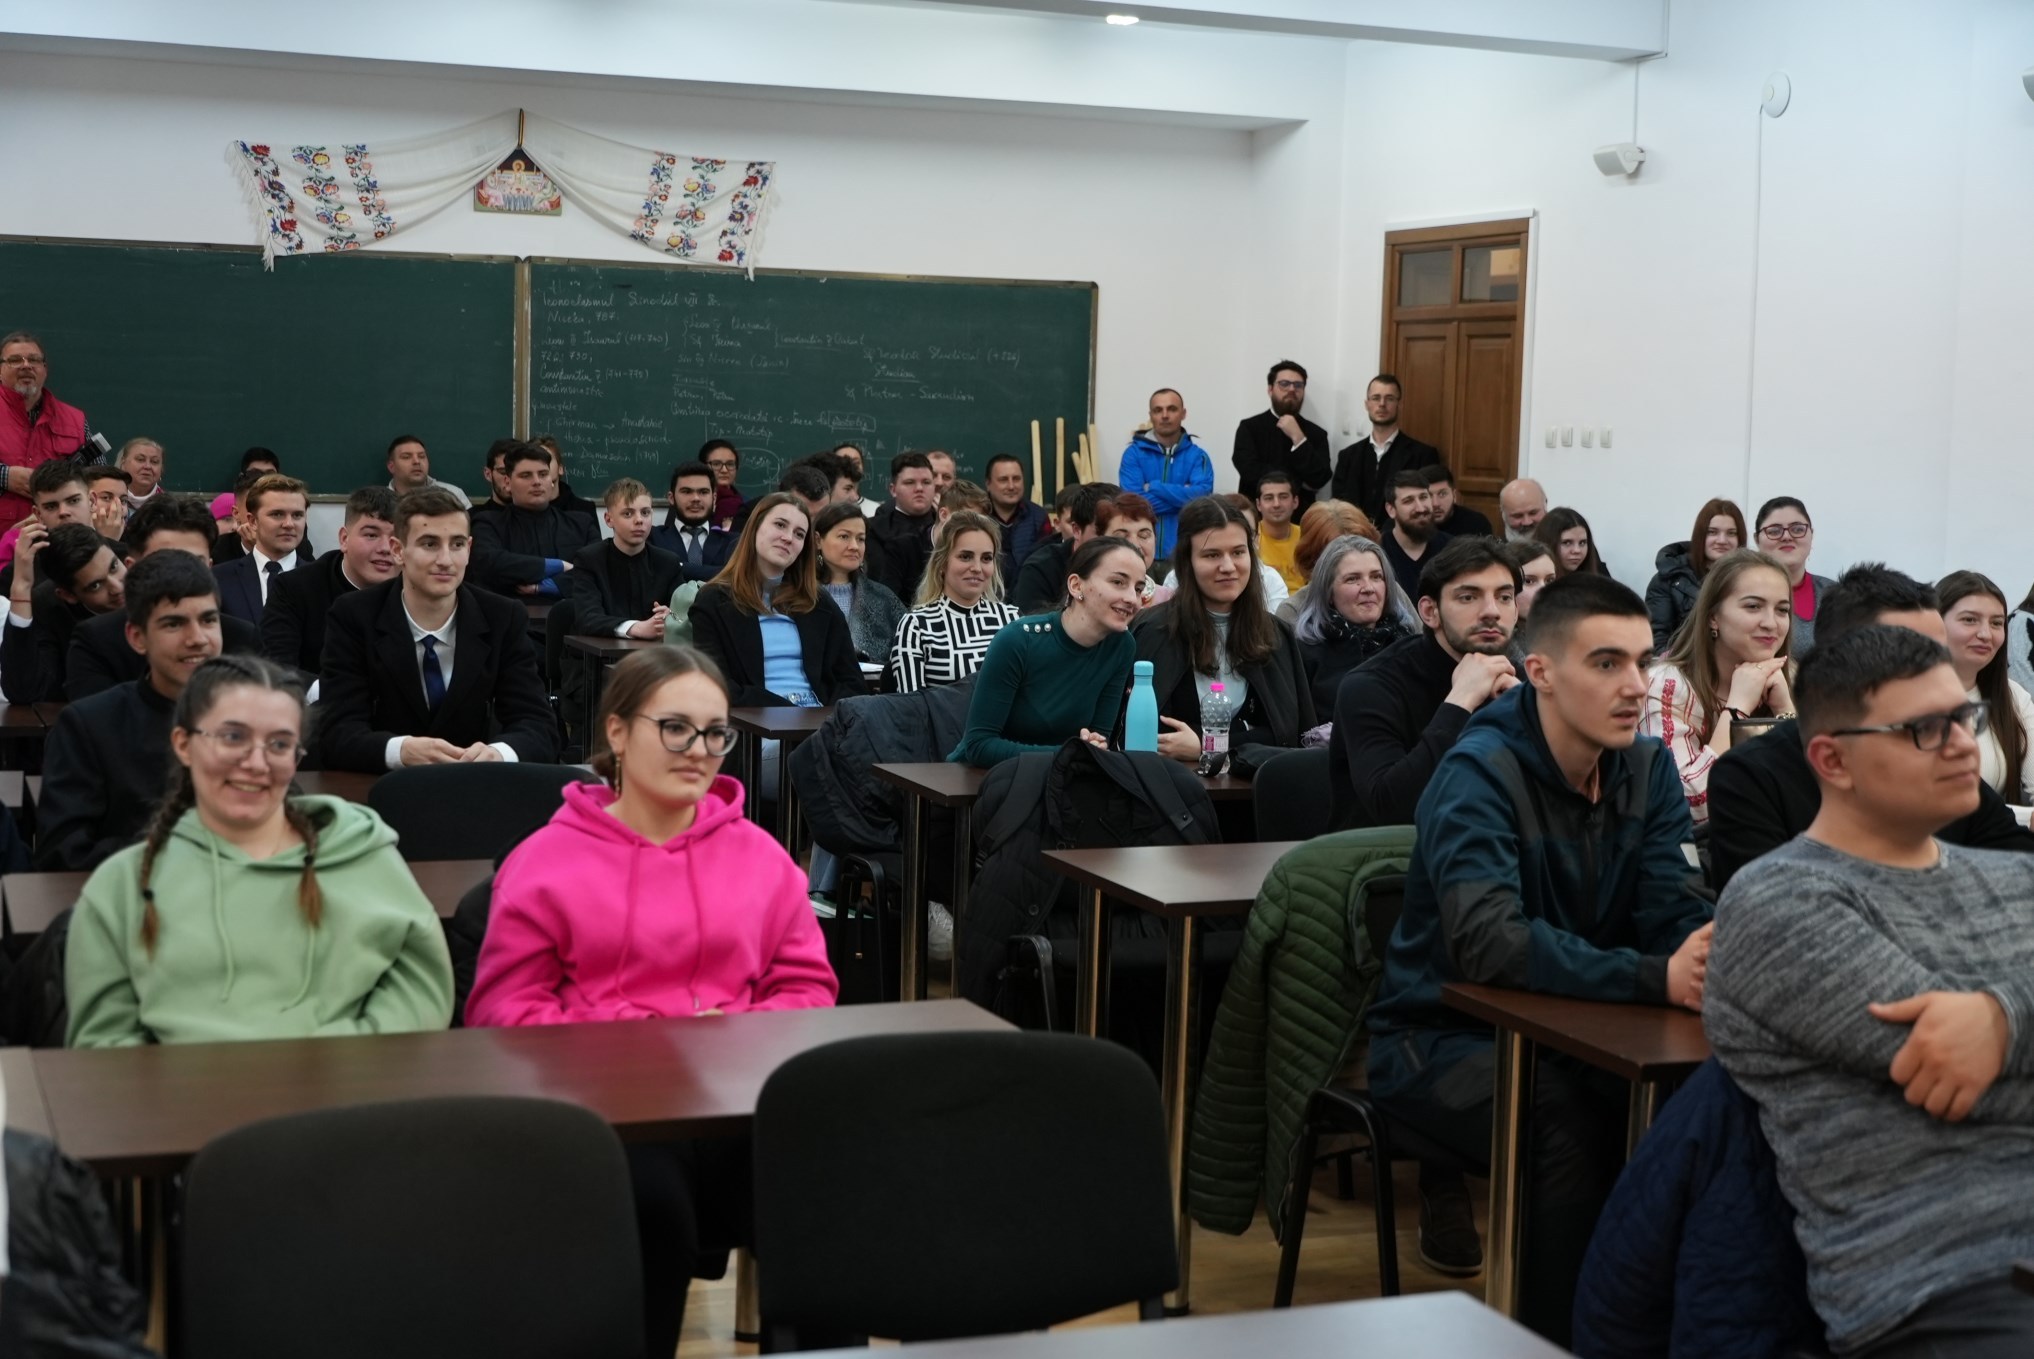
787, 802
963, 883
1182, 1025
748, 1327
911, 965
1091, 966
751, 748
1510, 1153
1645, 1107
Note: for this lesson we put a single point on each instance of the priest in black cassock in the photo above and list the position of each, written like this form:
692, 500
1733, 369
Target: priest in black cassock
1281, 439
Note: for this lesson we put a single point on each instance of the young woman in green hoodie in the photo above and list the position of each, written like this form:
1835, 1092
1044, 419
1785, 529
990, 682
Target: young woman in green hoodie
246, 913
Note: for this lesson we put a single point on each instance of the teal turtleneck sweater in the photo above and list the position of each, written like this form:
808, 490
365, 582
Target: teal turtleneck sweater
1038, 688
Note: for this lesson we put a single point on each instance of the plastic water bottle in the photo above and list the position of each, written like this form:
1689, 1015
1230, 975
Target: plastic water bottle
1140, 720
1216, 714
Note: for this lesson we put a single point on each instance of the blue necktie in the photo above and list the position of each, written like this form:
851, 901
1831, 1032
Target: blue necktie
434, 674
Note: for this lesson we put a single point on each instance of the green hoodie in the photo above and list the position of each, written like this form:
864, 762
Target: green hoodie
234, 958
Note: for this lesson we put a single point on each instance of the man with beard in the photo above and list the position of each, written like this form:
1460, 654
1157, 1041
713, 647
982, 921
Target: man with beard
1413, 538
1451, 516
1524, 503
1282, 440
1365, 471
35, 426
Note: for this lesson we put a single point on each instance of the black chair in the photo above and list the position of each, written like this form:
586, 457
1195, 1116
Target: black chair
415, 1230
567, 693
1292, 797
1333, 1109
469, 811
919, 1187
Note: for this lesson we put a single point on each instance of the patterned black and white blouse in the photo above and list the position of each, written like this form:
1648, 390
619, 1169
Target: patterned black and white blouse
944, 642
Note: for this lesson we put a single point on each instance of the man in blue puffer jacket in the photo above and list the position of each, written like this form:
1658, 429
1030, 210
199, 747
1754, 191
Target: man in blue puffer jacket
1555, 854
1166, 466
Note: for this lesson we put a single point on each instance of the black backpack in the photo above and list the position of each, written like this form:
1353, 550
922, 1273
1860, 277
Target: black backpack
1077, 797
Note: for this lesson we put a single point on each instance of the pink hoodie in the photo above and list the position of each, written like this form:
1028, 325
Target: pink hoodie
591, 921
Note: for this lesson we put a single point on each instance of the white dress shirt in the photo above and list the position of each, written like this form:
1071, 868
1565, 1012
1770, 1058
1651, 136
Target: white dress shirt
447, 634
261, 573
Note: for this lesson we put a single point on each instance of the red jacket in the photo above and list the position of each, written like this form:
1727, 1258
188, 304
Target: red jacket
57, 431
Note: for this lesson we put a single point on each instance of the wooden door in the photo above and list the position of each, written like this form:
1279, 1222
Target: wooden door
1454, 333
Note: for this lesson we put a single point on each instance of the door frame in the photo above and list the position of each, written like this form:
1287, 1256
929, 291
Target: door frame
1527, 319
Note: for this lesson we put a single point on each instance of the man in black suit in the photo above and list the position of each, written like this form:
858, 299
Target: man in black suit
1363, 470
527, 548
425, 669
900, 533
108, 756
293, 623
62, 576
1451, 516
1281, 439
623, 586
687, 531
276, 509
255, 464
99, 655
562, 494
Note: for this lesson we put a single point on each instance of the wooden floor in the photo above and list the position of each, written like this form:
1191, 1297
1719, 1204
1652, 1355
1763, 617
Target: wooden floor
1230, 1273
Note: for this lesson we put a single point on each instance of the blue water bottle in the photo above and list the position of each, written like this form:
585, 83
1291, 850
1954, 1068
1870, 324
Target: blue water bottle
1140, 723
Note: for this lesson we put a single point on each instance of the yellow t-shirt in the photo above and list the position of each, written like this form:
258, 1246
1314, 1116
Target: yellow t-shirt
1276, 553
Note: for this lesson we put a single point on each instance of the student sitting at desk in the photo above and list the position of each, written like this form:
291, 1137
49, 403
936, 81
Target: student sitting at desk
1870, 989
960, 607
654, 897
1555, 854
1052, 677
245, 913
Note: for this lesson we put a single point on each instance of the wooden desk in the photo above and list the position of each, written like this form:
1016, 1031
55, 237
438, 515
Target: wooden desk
26, 721
925, 786
147, 1110
26, 1110
539, 610
2023, 1274
596, 654
1652, 1046
341, 783
1445, 1325
1180, 883
32, 900
790, 726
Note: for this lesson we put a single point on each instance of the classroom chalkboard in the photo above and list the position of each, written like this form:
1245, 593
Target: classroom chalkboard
323, 360
634, 367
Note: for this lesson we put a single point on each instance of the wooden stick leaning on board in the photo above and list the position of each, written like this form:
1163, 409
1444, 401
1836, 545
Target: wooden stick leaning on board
1037, 468
1059, 454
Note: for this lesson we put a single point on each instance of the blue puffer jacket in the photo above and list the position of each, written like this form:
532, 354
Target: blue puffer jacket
1167, 481
1518, 880
1694, 1256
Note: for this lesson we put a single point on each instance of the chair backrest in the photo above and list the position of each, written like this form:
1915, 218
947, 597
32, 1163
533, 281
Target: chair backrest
923, 1186
469, 811
497, 1227
1292, 796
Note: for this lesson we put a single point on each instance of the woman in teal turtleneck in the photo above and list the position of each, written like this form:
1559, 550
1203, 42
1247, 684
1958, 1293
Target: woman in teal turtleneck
1051, 677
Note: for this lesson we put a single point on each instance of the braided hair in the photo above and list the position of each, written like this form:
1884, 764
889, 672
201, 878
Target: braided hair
200, 695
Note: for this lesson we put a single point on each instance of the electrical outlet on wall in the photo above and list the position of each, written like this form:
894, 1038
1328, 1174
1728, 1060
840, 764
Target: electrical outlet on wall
1567, 436
1606, 436
1553, 435
1588, 437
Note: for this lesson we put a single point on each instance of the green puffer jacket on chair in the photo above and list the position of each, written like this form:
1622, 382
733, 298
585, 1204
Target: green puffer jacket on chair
1289, 1019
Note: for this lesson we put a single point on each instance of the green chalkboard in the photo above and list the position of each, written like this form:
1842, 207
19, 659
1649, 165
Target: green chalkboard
634, 367
323, 360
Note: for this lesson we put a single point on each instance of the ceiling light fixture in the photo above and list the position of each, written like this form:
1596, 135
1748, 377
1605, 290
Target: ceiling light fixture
1121, 20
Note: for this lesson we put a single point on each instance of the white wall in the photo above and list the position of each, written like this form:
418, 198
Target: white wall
1171, 221
1892, 349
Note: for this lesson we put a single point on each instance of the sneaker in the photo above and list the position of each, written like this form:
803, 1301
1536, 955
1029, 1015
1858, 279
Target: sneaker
823, 907
938, 933
1448, 1241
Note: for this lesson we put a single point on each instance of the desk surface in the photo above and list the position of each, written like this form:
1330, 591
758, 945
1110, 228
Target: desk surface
1444, 1325
25, 1108
1631, 1042
342, 783
1176, 879
32, 900
610, 648
24, 719
958, 785
128, 1111
785, 723
540, 609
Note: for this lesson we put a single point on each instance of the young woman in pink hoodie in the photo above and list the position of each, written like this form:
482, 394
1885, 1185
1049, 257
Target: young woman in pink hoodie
654, 897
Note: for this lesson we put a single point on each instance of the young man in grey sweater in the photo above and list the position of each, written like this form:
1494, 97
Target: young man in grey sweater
1872, 988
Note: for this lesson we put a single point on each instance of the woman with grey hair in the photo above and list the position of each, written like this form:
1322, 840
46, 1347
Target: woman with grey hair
1354, 610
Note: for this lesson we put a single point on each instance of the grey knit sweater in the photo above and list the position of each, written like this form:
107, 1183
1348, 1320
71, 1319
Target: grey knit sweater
1895, 1207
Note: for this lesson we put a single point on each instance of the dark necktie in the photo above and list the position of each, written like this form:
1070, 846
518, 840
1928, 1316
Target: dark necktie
271, 570
434, 674
696, 553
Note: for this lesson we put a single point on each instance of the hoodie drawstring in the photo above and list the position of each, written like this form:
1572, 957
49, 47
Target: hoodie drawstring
219, 918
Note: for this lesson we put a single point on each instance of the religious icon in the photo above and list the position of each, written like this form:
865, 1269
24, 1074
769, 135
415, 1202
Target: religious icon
518, 185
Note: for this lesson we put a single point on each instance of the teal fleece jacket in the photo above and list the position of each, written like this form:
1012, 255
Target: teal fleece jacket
234, 958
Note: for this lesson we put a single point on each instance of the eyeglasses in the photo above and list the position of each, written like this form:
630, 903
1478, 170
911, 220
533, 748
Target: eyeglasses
721, 466
1289, 385
1773, 533
237, 741
1929, 733
23, 361
679, 736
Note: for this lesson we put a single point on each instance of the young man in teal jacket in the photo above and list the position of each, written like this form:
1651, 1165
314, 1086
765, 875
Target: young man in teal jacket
1555, 854
1166, 466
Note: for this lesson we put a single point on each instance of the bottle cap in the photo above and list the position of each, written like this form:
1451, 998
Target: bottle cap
1142, 670
1216, 688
